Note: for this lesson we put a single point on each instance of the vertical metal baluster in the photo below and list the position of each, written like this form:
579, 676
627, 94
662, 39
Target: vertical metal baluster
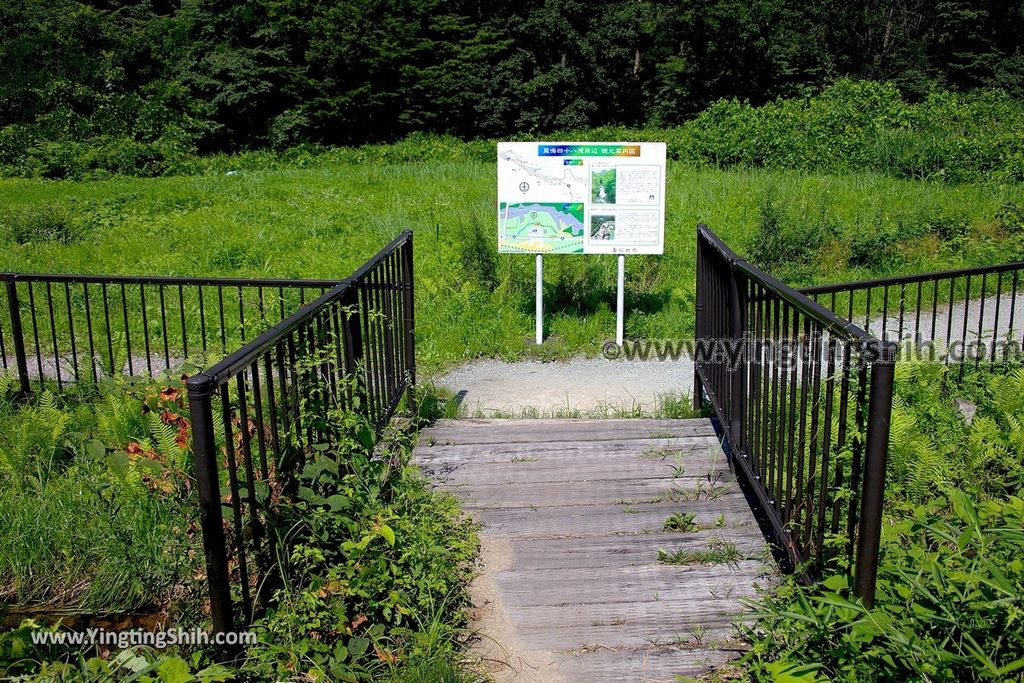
250, 476
810, 548
275, 435
88, 325
202, 321
867, 314
282, 378
181, 320
917, 314
903, 306
981, 320
885, 311
71, 331
995, 325
108, 329
802, 433
370, 340
127, 331
841, 433
772, 434
236, 503
791, 429
35, 332
963, 337
257, 397
223, 325
949, 320
826, 451
145, 329
858, 450
241, 314
1013, 315
53, 335
163, 328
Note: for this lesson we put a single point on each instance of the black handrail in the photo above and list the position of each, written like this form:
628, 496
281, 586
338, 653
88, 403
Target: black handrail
79, 328
786, 369
351, 348
970, 314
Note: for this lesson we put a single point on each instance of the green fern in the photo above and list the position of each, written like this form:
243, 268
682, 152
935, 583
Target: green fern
165, 441
120, 420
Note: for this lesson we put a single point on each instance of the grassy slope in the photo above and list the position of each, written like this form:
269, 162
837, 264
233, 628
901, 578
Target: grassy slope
322, 222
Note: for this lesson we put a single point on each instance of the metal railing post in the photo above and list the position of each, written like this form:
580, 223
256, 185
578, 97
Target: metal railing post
204, 445
737, 390
410, 315
875, 455
353, 334
20, 356
698, 385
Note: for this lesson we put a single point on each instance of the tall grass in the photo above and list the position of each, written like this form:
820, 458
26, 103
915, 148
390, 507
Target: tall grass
325, 220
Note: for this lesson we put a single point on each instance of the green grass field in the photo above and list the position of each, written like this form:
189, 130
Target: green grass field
323, 222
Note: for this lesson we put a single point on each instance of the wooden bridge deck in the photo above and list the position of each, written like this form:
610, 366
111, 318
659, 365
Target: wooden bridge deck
573, 515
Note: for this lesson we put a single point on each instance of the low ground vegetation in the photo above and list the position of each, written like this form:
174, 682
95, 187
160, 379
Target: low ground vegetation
951, 575
98, 512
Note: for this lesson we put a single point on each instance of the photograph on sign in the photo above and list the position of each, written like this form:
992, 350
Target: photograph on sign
581, 198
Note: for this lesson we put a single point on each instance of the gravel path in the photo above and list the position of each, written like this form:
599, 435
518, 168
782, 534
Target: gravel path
563, 388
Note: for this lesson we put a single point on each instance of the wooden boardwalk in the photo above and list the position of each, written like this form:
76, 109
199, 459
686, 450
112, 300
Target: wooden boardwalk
574, 585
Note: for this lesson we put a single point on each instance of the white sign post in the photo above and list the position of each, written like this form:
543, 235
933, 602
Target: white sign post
581, 198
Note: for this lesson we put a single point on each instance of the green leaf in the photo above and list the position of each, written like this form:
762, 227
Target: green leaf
388, 533
174, 670
339, 502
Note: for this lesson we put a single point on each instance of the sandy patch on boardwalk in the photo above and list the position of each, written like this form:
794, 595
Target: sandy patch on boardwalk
499, 651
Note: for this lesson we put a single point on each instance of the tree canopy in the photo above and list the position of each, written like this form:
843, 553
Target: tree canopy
223, 75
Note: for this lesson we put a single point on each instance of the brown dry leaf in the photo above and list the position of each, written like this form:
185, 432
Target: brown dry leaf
384, 655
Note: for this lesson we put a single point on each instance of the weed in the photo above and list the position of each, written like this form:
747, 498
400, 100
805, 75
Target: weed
682, 521
715, 552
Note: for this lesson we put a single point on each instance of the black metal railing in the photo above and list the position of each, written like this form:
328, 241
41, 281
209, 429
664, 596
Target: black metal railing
973, 315
260, 411
81, 328
804, 398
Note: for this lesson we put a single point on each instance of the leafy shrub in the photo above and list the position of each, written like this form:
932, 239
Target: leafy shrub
479, 259
784, 247
377, 569
947, 606
850, 125
45, 224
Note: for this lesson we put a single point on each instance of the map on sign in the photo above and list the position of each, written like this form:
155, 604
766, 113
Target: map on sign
542, 228
581, 198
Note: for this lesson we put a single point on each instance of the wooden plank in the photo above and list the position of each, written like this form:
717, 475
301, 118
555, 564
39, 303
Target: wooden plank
545, 467
625, 551
430, 453
610, 518
600, 585
557, 494
498, 431
635, 625
640, 665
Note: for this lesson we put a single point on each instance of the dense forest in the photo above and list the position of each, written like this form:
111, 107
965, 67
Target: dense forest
209, 75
